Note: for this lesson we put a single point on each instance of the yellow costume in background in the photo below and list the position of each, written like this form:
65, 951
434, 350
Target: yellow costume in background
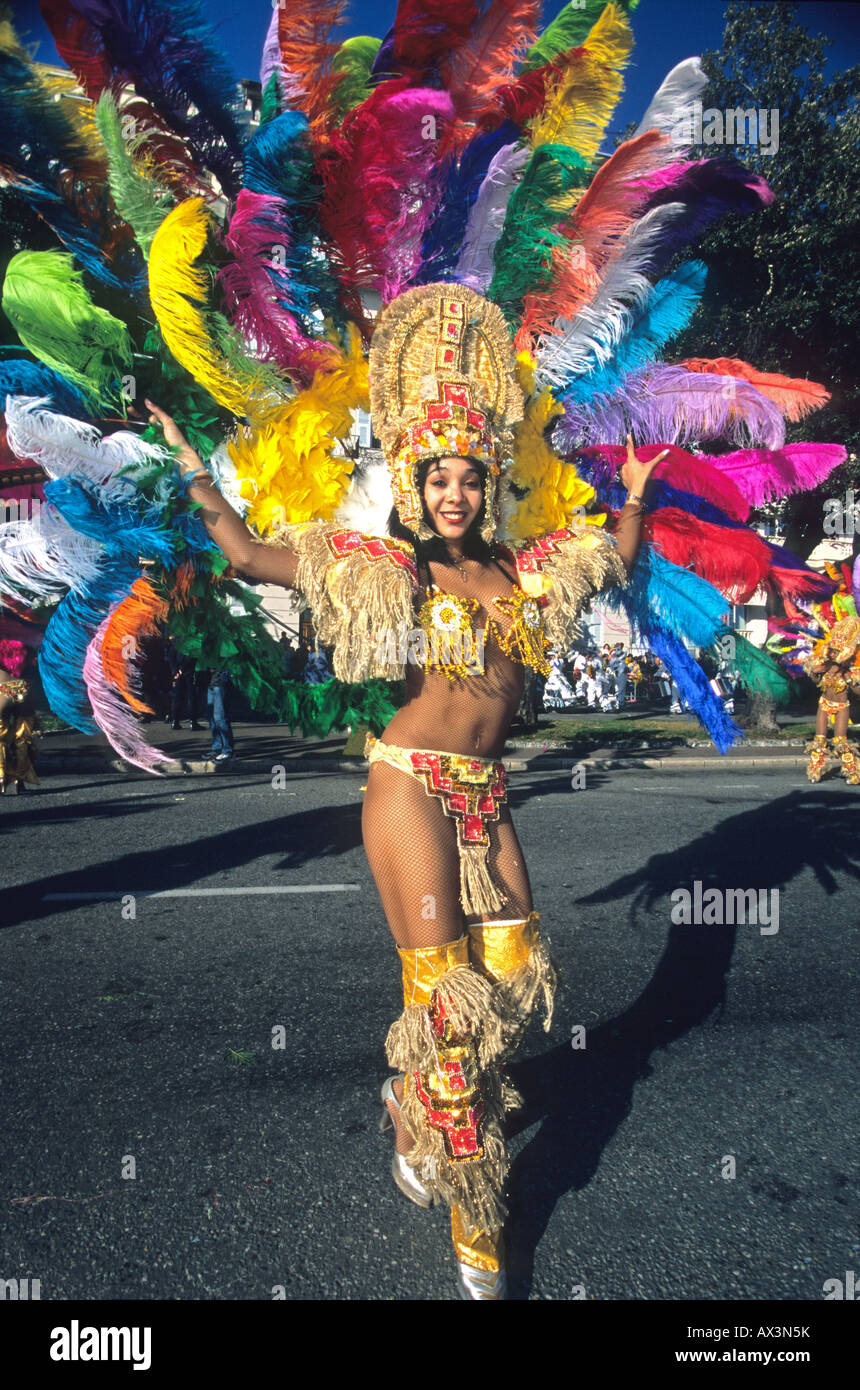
17, 733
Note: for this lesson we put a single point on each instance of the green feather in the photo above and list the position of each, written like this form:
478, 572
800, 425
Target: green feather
271, 103
757, 671
46, 302
353, 59
537, 208
140, 199
568, 30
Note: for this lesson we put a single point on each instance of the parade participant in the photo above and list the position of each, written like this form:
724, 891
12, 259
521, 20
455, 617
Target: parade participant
436, 826
834, 665
468, 155
18, 722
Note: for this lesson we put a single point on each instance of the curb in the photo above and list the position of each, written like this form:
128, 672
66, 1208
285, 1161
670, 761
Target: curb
241, 766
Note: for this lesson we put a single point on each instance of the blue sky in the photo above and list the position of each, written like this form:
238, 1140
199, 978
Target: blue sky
666, 31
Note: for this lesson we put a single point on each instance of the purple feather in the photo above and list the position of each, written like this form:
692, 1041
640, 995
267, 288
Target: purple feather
674, 406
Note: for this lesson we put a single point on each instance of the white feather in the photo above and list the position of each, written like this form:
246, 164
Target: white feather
62, 445
226, 478
592, 337
43, 557
475, 265
671, 108
368, 502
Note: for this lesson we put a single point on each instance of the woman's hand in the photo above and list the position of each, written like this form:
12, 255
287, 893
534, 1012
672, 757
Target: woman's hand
635, 473
174, 436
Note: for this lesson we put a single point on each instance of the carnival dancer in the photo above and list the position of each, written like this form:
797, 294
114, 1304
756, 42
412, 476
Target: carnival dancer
834, 665
18, 721
469, 615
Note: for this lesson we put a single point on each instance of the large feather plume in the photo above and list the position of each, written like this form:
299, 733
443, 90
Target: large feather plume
45, 299
794, 396
179, 285
762, 475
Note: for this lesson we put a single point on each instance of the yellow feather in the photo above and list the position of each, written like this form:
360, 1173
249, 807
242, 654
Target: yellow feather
581, 100
179, 289
287, 467
555, 493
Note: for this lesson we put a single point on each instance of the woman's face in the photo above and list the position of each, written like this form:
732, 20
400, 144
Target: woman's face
453, 493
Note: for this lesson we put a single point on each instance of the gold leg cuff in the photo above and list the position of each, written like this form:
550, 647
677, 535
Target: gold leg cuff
481, 1250
514, 956
423, 969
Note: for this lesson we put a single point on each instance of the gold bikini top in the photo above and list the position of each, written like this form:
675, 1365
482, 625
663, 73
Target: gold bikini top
455, 646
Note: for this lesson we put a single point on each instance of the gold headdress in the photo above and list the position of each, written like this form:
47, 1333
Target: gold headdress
443, 384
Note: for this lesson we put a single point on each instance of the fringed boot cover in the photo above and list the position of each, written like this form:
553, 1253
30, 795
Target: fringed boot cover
450, 1027
817, 751
848, 753
518, 961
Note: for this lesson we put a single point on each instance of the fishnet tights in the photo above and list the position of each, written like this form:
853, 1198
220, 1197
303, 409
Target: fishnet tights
411, 847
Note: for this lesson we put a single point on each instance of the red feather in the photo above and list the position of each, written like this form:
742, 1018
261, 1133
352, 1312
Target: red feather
381, 185
305, 30
735, 561
426, 32
78, 44
473, 71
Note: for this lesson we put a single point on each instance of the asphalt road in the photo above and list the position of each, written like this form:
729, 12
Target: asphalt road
157, 1145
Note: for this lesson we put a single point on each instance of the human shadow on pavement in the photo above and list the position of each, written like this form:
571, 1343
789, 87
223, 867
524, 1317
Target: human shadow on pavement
581, 1097
305, 837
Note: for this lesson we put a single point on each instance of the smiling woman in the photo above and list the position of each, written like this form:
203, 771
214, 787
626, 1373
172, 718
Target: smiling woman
437, 831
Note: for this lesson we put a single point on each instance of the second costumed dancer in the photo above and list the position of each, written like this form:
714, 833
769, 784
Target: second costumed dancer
442, 603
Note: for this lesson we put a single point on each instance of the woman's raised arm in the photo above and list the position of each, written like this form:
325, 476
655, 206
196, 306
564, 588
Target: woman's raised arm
267, 564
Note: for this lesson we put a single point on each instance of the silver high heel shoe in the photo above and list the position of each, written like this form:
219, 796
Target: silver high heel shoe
481, 1283
403, 1175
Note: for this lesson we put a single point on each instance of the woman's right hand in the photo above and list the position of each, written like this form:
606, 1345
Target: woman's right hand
173, 434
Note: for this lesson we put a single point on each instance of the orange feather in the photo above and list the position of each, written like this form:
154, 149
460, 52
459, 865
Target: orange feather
137, 616
794, 396
594, 233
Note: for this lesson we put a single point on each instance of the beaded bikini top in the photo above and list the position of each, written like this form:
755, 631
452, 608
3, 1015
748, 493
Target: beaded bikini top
455, 646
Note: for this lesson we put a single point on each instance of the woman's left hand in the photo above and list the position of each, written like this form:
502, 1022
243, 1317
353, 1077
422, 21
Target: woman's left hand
634, 473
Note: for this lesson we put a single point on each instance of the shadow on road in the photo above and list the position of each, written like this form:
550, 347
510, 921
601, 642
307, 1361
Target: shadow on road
583, 1096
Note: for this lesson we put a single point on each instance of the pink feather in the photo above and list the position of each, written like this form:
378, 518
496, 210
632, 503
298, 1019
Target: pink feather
764, 474
381, 185
254, 282
113, 715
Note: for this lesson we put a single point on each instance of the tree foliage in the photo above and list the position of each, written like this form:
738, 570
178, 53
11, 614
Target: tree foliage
784, 283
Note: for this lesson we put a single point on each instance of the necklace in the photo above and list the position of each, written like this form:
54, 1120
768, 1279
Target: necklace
455, 562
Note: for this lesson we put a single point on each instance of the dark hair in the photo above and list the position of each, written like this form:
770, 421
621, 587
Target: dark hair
474, 545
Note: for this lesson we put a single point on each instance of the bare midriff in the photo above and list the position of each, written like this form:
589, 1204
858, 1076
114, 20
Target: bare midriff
467, 714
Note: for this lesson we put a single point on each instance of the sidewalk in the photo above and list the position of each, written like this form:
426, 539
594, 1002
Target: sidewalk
261, 748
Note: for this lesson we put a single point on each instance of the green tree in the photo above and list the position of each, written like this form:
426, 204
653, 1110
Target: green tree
784, 283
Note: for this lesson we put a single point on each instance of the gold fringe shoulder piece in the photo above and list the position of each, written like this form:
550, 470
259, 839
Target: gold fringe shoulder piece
360, 589
568, 568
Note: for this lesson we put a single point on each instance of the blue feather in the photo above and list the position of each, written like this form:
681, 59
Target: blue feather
693, 685
18, 377
680, 601
463, 177
118, 527
279, 163
73, 625
668, 308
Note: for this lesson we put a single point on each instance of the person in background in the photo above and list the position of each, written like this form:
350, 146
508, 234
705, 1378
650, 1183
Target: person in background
317, 670
618, 667
300, 660
216, 709
285, 643
18, 721
182, 685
